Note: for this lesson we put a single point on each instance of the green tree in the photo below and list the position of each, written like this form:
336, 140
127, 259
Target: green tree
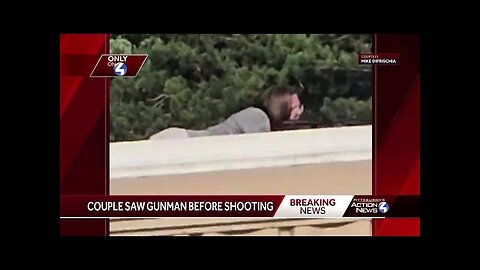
194, 81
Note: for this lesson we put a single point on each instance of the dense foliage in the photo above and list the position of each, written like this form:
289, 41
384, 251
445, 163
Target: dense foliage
195, 81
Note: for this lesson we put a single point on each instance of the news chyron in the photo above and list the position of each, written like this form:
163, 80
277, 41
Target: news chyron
119, 65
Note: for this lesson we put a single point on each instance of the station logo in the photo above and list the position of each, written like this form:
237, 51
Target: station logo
120, 69
383, 207
118, 65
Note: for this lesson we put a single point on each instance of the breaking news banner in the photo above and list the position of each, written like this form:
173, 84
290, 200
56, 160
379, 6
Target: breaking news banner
378, 59
118, 65
275, 206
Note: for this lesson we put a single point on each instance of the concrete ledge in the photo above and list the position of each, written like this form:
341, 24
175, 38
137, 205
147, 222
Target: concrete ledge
236, 152
336, 178
332, 161
246, 227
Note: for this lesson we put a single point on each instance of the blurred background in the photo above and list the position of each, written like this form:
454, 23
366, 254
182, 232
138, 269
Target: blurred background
198, 80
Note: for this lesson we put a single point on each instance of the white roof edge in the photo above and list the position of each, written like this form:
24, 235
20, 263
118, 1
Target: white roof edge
246, 151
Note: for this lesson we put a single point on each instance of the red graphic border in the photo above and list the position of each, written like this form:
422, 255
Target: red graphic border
396, 166
83, 127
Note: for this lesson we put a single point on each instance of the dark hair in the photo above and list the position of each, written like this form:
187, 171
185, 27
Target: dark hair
276, 102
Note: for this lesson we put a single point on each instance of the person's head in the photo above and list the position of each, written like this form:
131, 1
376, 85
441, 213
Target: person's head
282, 103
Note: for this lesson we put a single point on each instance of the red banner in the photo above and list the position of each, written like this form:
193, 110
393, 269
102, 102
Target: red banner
169, 206
278, 206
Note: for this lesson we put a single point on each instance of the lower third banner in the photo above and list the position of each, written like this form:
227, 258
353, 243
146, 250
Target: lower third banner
276, 206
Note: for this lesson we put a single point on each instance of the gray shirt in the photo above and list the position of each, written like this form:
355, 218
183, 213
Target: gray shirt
249, 120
